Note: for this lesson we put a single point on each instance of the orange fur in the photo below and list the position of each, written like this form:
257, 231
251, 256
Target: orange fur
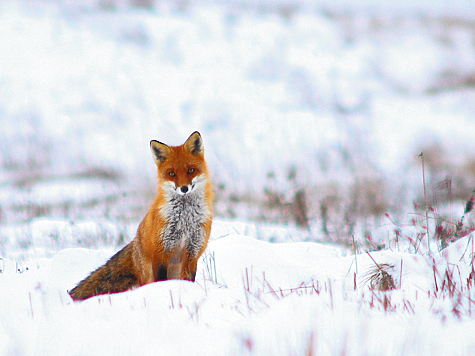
173, 234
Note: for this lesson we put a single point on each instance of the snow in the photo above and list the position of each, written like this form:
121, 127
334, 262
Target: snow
263, 298
335, 94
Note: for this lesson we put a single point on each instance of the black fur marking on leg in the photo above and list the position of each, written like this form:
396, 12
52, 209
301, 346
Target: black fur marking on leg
162, 273
193, 275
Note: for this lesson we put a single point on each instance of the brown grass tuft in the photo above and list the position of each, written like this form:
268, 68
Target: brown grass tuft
379, 278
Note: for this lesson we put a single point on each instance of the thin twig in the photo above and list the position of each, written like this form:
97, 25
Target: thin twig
466, 248
376, 263
400, 276
354, 250
31, 306
425, 200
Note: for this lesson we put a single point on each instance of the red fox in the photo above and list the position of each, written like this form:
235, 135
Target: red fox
173, 234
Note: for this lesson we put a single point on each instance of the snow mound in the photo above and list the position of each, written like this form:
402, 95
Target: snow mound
250, 297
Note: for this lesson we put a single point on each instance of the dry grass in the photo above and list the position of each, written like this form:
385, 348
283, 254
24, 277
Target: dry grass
379, 278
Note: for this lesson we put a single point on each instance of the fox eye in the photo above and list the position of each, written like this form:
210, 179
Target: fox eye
171, 174
191, 170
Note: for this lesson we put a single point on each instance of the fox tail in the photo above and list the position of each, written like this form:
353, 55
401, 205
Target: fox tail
117, 275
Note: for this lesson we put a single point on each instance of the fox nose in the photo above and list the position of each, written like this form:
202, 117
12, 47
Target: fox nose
184, 189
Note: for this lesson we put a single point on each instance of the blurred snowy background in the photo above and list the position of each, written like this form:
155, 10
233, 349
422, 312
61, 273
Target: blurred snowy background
312, 113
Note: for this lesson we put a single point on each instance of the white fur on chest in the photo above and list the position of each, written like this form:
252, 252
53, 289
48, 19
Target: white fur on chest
186, 215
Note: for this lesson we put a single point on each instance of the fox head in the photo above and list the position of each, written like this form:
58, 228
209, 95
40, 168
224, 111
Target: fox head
181, 169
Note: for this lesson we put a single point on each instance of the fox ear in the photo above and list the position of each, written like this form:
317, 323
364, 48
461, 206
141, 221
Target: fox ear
194, 144
160, 151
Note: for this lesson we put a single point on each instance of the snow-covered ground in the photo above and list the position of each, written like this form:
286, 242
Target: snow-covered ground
250, 298
314, 109
328, 103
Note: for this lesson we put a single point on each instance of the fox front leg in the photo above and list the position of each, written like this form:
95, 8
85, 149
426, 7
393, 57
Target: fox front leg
162, 273
189, 270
